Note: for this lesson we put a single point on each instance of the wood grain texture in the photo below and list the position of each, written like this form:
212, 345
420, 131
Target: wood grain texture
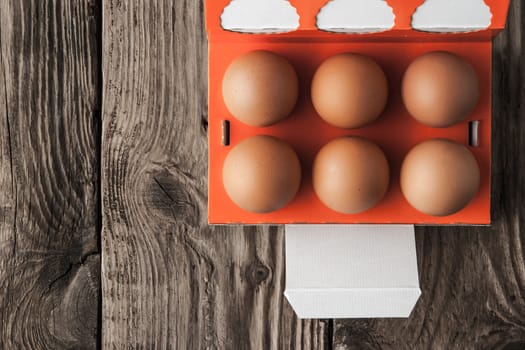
49, 266
473, 278
169, 280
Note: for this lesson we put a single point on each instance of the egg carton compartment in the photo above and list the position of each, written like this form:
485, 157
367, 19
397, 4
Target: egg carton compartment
306, 43
395, 131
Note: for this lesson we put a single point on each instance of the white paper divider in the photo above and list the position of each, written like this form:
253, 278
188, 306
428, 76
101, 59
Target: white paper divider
351, 271
260, 16
356, 16
452, 16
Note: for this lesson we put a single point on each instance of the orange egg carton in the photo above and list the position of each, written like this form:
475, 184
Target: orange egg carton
396, 132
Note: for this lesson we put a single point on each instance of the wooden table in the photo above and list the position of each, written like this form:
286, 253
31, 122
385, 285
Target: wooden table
103, 234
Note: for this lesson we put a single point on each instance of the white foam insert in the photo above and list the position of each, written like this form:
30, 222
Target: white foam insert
452, 16
356, 16
260, 16
351, 271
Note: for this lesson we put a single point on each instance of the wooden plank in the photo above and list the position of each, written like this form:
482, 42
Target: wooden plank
49, 262
473, 278
169, 280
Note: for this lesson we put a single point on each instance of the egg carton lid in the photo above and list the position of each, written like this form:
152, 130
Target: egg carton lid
351, 271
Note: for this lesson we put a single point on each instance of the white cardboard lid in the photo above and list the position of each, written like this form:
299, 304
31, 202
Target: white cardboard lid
351, 271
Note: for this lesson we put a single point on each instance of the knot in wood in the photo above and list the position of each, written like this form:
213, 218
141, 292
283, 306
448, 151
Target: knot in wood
258, 273
172, 196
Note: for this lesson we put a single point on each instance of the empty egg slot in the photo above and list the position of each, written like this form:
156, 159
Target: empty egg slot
225, 139
473, 133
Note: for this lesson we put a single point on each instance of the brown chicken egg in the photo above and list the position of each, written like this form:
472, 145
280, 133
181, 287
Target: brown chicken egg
350, 175
349, 90
440, 89
261, 174
440, 177
260, 88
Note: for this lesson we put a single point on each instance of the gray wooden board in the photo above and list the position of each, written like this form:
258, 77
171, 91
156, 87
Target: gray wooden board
49, 262
169, 280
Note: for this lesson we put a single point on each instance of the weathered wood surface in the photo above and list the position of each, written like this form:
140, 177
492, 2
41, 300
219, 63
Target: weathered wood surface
49, 266
472, 278
169, 280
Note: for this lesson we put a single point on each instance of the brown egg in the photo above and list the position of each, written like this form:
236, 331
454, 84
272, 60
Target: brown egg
439, 177
261, 174
260, 88
349, 90
440, 89
350, 175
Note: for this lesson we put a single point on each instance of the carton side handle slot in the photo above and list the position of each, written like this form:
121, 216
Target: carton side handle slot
473, 133
225, 137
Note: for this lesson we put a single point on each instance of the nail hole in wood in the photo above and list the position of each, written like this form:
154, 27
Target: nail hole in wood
473, 133
225, 132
